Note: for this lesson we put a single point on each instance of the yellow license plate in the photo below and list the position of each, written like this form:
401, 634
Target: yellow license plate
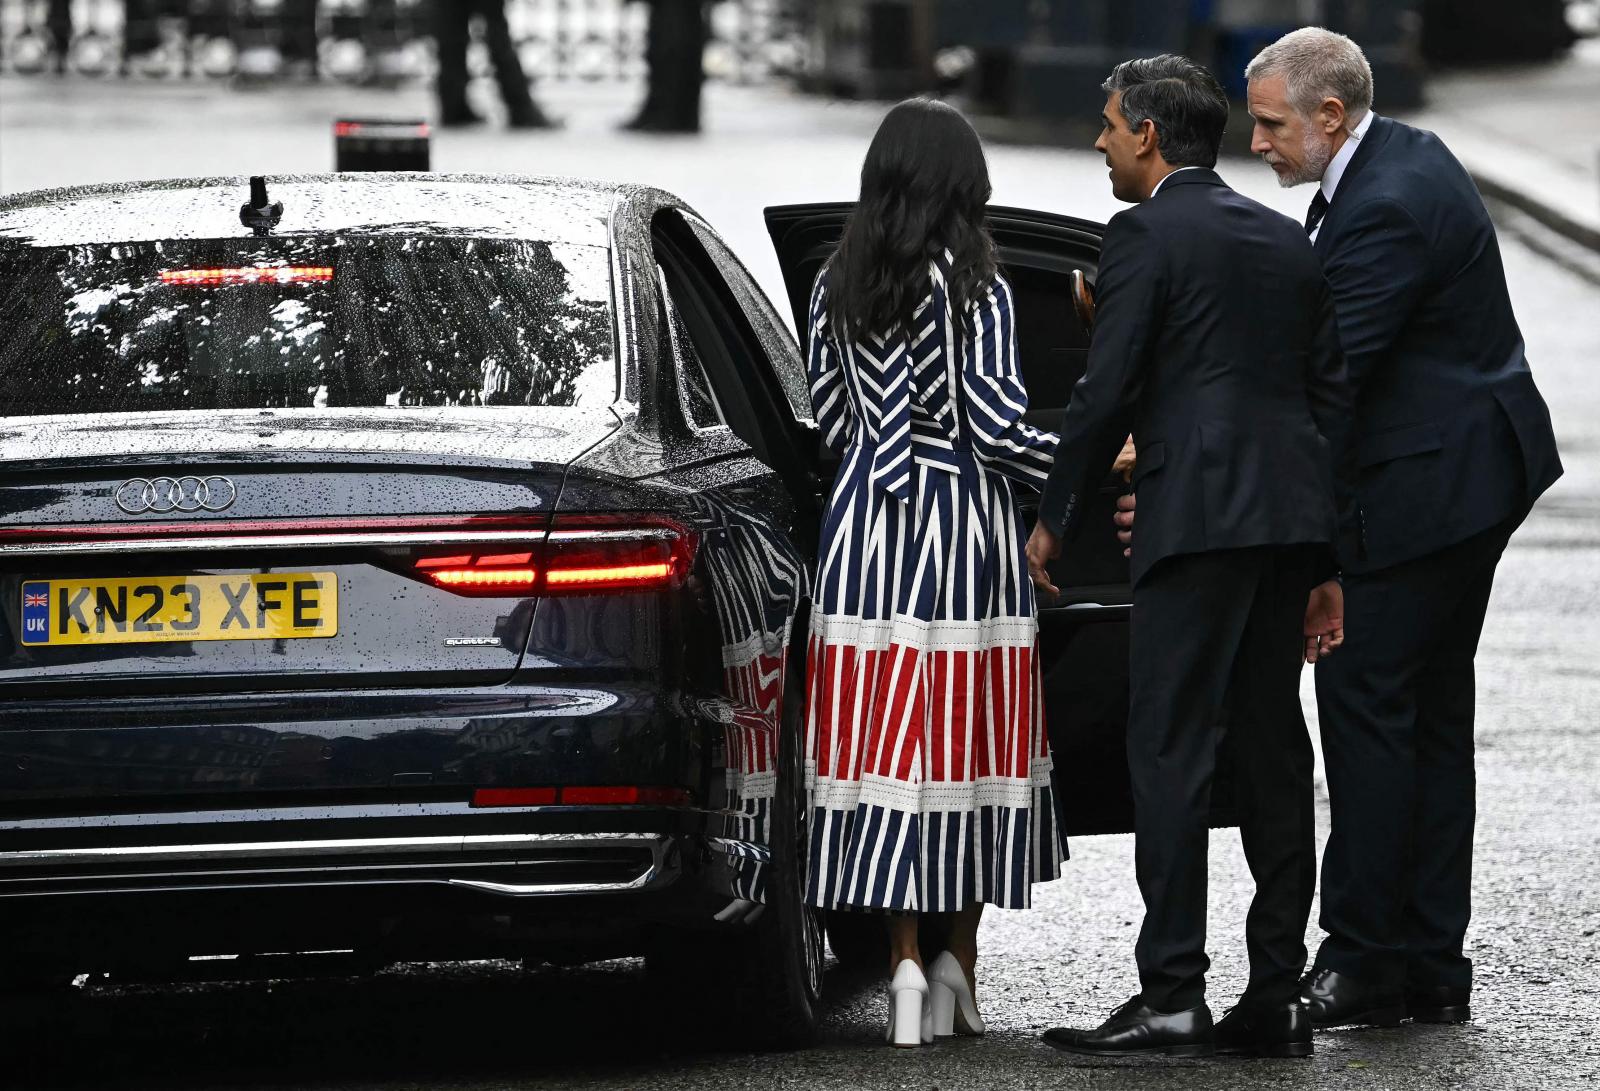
164, 609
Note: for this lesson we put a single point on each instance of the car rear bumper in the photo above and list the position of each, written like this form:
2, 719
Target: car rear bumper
509, 864
563, 884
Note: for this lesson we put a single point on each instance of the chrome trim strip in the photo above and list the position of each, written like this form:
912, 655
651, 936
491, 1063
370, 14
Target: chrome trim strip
531, 537
274, 541
341, 847
640, 534
643, 880
1088, 610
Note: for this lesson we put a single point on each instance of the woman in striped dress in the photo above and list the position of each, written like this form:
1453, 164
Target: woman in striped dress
927, 763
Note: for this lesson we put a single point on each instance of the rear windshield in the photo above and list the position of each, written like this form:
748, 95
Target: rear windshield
303, 323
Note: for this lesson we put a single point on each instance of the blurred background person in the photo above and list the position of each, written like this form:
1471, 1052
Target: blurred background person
452, 31
300, 45
675, 50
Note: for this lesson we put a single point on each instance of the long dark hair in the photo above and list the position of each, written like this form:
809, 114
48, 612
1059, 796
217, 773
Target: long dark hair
924, 187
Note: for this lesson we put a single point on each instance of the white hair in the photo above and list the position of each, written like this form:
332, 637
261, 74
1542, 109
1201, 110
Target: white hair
1317, 64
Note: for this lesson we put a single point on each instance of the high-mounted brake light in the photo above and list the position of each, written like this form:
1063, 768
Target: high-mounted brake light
258, 274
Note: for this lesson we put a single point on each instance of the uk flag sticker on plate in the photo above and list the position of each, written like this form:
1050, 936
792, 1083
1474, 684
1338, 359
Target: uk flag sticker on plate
35, 613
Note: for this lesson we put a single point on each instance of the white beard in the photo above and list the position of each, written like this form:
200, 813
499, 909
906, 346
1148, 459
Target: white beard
1319, 153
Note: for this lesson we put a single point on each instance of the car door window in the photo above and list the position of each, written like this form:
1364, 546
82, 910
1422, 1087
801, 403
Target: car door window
778, 345
696, 397
755, 404
1057, 344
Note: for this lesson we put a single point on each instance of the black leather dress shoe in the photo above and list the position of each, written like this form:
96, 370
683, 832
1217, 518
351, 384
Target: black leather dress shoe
1138, 1030
1256, 1029
1335, 1000
1439, 1004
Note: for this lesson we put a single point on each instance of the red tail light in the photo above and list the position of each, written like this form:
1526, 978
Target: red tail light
591, 557
514, 797
602, 795
260, 274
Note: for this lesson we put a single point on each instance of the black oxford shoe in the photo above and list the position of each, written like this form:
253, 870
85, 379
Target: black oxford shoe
1439, 1004
1138, 1030
1257, 1029
1335, 1000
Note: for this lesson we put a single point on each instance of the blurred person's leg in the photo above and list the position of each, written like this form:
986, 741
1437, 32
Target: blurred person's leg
452, 20
300, 33
384, 44
676, 54
521, 111
58, 21
141, 32
645, 119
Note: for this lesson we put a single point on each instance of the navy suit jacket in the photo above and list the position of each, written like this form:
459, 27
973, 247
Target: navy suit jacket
1215, 340
1452, 436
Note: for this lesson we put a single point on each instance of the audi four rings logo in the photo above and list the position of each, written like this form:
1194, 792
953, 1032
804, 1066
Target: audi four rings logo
159, 495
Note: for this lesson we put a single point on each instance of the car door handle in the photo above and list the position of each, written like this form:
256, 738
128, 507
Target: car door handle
1088, 611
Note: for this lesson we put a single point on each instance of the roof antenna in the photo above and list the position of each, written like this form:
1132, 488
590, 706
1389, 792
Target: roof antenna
260, 216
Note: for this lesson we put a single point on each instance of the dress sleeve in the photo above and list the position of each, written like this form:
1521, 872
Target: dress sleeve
830, 399
995, 397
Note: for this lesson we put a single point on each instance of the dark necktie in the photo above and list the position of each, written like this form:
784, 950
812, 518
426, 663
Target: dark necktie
1318, 209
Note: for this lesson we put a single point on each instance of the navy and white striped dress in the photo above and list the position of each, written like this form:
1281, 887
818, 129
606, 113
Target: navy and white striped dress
928, 768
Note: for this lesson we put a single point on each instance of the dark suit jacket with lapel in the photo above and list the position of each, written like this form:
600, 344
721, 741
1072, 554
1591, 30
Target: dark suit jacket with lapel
1215, 332
1452, 435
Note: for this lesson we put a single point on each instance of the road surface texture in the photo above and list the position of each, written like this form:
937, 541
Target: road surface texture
1536, 935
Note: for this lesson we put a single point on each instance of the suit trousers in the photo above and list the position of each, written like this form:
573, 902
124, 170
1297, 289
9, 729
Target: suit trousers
675, 51
452, 31
1217, 640
1396, 711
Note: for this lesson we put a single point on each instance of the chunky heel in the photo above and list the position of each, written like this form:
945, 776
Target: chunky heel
910, 1021
948, 975
943, 1003
907, 1018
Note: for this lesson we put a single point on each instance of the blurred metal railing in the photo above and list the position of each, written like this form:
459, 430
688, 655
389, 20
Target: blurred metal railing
369, 41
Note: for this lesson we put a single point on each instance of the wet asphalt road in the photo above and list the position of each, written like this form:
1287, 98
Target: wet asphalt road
1536, 936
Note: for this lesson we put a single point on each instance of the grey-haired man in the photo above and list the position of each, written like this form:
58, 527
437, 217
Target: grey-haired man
1454, 444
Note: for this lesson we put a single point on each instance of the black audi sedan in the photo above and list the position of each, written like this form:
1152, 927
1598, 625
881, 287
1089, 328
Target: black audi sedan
420, 570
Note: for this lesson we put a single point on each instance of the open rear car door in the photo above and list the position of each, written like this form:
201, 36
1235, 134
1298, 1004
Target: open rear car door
1084, 633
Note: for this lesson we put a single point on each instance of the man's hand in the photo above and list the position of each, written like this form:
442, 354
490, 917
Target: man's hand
1126, 460
1043, 547
1124, 520
1324, 628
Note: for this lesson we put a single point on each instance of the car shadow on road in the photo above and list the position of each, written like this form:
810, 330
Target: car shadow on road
406, 1025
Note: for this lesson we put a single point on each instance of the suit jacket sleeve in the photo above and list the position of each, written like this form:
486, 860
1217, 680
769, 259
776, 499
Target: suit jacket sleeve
994, 396
1130, 291
830, 400
1378, 267
1332, 401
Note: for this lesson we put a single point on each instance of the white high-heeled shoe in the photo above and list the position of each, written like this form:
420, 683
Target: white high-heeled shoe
950, 998
910, 1020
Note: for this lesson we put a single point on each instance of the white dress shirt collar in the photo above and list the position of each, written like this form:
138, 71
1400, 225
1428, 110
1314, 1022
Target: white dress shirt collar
1341, 161
1163, 181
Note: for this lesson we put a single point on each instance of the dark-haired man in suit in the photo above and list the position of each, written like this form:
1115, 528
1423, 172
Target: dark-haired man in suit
1215, 335
1454, 446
